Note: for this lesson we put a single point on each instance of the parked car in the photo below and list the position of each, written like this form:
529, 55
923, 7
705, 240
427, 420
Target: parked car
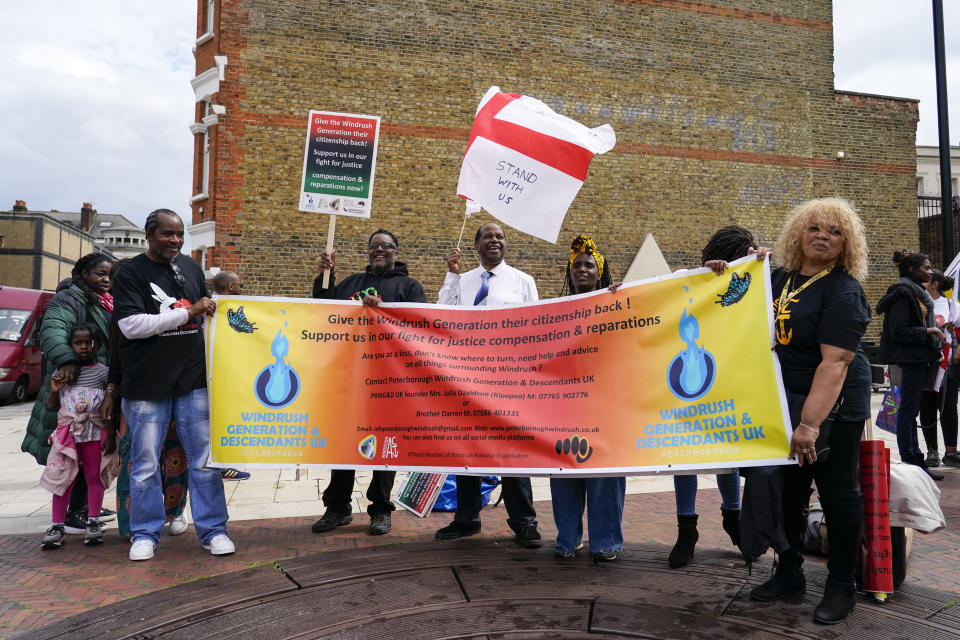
21, 361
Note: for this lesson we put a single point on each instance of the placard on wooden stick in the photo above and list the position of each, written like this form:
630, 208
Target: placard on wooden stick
339, 163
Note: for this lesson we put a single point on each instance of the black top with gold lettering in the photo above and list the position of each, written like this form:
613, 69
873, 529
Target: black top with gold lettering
830, 310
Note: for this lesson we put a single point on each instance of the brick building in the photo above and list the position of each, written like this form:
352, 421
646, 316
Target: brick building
39, 248
723, 113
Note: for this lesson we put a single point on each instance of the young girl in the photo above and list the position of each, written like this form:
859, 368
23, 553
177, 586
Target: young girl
79, 438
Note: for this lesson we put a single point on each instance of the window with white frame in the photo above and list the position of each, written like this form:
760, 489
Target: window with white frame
205, 168
203, 151
208, 16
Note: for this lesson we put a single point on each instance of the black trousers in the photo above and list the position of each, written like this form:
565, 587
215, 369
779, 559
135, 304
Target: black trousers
78, 497
517, 497
838, 484
944, 403
337, 494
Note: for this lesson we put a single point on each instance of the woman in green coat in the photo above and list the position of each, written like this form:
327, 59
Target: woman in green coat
82, 298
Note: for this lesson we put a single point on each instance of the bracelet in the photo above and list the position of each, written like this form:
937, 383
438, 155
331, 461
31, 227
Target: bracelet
112, 389
816, 431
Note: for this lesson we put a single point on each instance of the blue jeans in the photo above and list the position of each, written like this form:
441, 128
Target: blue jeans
148, 421
685, 491
911, 389
604, 517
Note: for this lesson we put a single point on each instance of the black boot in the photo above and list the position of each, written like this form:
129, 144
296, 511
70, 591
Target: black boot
920, 461
787, 578
838, 601
687, 536
731, 524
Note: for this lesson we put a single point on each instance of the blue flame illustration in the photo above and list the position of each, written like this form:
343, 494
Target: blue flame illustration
694, 365
277, 384
692, 371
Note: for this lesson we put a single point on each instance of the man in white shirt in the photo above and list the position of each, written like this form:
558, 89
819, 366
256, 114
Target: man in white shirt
493, 283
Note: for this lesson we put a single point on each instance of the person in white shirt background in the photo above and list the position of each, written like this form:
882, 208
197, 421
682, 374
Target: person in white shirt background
493, 283
947, 313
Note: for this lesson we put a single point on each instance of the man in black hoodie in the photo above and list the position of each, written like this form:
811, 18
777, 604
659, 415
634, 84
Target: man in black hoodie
384, 280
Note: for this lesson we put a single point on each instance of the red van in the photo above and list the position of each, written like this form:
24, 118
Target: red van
21, 362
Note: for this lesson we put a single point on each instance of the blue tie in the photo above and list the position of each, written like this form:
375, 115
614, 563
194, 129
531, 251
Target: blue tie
484, 288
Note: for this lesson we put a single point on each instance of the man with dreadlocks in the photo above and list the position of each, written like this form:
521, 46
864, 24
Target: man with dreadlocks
726, 245
587, 271
161, 302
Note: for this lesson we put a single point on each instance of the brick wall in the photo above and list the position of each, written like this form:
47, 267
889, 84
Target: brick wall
723, 114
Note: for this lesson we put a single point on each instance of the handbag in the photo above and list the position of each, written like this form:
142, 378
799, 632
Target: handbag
889, 407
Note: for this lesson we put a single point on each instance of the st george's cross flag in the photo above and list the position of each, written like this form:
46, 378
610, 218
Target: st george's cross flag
525, 163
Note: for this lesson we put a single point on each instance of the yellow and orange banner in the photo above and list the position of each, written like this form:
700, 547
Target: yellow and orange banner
666, 375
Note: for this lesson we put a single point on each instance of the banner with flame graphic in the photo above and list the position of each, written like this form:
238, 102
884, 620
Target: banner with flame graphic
671, 374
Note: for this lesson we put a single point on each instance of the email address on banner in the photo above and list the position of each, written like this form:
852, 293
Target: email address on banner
444, 428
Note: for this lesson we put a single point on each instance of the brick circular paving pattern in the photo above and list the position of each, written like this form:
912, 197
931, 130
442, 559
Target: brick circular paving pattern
486, 589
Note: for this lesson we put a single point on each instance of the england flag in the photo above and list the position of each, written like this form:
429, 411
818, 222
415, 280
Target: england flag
525, 163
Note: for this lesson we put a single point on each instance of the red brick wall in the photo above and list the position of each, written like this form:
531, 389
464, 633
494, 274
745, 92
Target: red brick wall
723, 114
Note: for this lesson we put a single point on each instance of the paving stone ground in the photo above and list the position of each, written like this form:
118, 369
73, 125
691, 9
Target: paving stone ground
38, 588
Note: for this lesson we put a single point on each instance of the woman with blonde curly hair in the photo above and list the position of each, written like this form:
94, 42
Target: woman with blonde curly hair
821, 315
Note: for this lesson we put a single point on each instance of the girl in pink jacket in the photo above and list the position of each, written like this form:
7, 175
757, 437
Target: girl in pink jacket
79, 439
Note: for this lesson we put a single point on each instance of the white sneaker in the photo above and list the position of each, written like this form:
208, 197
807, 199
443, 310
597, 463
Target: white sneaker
142, 549
220, 545
178, 525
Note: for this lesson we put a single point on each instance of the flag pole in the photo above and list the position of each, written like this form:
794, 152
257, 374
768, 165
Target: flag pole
330, 231
462, 227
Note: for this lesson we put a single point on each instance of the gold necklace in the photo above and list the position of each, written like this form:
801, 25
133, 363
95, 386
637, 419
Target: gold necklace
781, 307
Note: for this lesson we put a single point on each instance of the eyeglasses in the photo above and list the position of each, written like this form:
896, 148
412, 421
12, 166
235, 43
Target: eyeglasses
177, 275
382, 245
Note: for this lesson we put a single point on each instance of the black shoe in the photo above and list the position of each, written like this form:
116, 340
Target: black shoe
379, 523
920, 462
106, 515
562, 554
93, 534
687, 536
952, 459
76, 523
787, 578
330, 520
456, 530
838, 602
53, 538
731, 524
605, 556
529, 537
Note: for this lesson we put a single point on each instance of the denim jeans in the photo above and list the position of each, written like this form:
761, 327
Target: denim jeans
148, 421
911, 390
685, 491
604, 516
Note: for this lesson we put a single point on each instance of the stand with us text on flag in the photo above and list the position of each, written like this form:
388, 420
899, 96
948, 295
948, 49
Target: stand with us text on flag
671, 374
525, 163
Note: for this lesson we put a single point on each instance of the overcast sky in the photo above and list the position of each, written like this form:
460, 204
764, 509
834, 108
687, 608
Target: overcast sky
95, 98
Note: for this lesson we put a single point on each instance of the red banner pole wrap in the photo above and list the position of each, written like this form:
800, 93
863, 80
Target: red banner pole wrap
875, 484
